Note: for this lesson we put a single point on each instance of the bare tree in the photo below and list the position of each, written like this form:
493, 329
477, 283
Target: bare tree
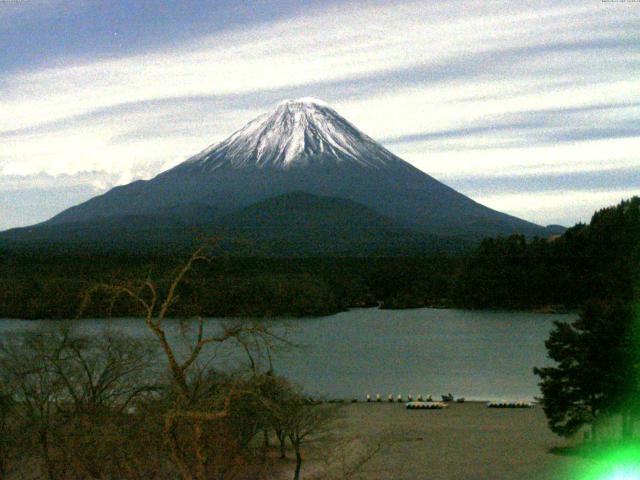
109, 371
89, 406
305, 423
71, 394
276, 394
187, 452
25, 368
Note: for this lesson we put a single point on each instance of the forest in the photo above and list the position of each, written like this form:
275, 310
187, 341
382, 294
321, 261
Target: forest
513, 272
594, 380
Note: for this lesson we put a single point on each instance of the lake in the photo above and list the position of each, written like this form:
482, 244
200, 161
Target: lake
475, 354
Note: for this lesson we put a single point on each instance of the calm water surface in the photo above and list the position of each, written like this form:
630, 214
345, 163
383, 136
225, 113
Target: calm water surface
475, 354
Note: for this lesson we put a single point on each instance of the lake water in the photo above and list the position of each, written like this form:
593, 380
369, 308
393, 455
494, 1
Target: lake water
476, 354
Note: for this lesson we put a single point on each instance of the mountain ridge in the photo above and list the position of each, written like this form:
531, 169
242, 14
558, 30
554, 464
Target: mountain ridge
304, 145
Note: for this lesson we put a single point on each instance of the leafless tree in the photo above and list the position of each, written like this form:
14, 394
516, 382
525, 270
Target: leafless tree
70, 397
188, 452
109, 370
25, 368
305, 423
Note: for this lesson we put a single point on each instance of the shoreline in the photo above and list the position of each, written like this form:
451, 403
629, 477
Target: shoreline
538, 310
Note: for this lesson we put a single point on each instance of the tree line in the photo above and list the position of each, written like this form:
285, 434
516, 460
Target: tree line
36, 285
586, 262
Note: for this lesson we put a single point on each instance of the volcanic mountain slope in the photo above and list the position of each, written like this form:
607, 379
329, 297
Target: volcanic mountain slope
299, 223
291, 224
303, 146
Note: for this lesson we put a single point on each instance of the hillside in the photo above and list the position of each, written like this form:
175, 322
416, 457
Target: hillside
292, 224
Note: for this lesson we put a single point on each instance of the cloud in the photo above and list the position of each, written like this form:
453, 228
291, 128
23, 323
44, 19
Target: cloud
566, 207
287, 53
602, 180
463, 91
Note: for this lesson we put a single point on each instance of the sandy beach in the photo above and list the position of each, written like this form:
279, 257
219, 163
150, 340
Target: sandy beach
464, 441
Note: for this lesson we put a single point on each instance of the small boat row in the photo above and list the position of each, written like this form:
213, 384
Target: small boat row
420, 398
399, 398
503, 404
425, 405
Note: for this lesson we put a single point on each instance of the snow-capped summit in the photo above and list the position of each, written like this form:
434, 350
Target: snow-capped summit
297, 133
303, 145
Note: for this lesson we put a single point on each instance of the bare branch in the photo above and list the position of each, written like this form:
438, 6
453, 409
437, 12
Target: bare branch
116, 291
197, 256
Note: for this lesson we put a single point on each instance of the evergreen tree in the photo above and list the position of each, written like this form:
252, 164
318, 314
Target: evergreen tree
597, 369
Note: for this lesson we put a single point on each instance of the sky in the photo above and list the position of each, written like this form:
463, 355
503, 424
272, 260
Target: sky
531, 108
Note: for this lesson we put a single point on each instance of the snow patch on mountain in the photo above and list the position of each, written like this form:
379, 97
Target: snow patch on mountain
297, 133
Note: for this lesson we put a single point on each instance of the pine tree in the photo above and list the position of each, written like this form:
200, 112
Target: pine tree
597, 369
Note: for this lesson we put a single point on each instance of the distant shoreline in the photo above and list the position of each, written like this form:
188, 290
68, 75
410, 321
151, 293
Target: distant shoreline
540, 310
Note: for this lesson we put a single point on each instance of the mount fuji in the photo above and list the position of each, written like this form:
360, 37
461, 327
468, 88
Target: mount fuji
303, 146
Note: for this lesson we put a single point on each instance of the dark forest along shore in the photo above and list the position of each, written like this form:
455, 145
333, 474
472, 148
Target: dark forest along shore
475, 354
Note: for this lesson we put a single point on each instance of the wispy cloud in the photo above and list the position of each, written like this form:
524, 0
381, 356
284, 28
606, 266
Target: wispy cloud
462, 90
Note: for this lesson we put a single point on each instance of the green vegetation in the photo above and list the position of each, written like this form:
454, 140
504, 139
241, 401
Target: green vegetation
597, 370
52, 285
586, 262
596, 376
